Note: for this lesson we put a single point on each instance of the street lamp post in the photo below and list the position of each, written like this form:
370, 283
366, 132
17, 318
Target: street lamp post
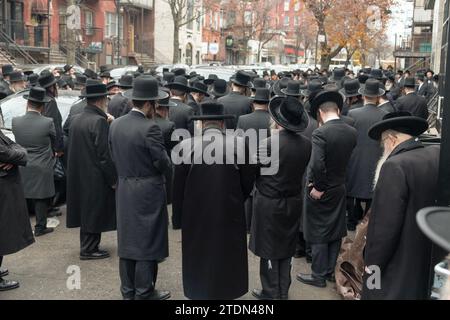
118, 30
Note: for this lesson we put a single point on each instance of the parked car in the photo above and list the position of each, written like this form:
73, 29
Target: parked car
119, 72
38, 68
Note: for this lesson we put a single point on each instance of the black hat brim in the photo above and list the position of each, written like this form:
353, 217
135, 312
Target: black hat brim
260, 101
434, 222
161, 95
45, 100
362, 91
178, 86
235, 81
47, 85
94, 95
325, 96
213, 117
167, 105
349, 95
414, 125
199, 91
285, 92
274, 110
219, 94
209, 82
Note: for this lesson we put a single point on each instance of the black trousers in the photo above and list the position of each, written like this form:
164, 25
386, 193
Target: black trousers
355, 211
40, 209
138, 278
89, 242
248, 212
1, 261
275, 277
324, 257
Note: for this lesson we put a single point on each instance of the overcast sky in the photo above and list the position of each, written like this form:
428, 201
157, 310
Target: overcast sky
401, 19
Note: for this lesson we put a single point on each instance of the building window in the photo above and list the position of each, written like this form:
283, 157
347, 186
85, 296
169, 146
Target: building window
296, 21
248, 18
287, 5
297, 6
199, 20
89, 22
190, 15
112, 28
286, 20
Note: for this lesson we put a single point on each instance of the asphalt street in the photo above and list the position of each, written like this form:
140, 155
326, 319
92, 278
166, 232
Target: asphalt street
42, 269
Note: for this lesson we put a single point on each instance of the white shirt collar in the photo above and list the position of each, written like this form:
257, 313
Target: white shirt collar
137, 110
332, 118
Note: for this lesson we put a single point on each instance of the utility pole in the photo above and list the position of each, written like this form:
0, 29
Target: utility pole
72, 21
118, 31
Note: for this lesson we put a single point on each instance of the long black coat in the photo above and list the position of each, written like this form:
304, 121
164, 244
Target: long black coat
15, 228
137, 147
408, 182
214, 240
332, 146
181, 116
90, 174
363, 162
257, 120
75, 109
51, 111
235, 104
119, 106
414, 104
277, 202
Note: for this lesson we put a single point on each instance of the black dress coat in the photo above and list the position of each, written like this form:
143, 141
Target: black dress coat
364, 159
324, 220
167, 127
277, 202
214, 241
387, 107
51, 111
414, 104
119, 106
235, 104
181, 115
137, 148
15, 228
408, 182
77, 108
90, 174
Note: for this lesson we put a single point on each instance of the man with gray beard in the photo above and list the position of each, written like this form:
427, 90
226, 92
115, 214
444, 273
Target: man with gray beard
397, 253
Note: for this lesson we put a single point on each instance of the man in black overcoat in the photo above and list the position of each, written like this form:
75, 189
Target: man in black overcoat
91, 175
324, 222
138, 150
277, 201
397, 253
119, 104
411, 102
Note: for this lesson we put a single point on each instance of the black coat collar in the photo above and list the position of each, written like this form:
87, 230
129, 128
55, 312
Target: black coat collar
406, 146
93, 109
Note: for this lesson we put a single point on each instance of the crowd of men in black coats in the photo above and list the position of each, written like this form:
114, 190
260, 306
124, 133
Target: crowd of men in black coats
345, 144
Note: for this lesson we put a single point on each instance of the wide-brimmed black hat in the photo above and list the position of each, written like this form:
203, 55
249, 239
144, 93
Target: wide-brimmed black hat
402, 122
179, 72
289, 113
90, 74
37, 94
376, 74
33, 79
338, 74
168, 77
126, 81
67, 67
17, 76
111, 84
7, 69
410, 82
351, 88
434, 223
94, 89
146, 88
105, 74
262, 96
103, 68
211, 79
323, 79
166, 103
47, 79
80, 80
371, 89
199, 87
325, 96
212, 111
280, 85
179, 83
362, 78
242, 78
219, 89
313, 86
293, 89
258, 83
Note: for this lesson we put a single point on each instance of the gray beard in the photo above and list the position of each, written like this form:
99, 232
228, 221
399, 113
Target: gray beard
379, 166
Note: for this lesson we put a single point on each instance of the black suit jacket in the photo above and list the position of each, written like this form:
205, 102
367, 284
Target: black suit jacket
181, 115
258, 120
414, 104
167, 127
119, 106
77, 108
235, 104
51, 111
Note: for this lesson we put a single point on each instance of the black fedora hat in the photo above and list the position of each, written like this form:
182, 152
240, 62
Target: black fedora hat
258, 83
376, 74
166, 103
371, 89
33, 79
37, 94
111, 84
46, 80
289, 113
168, 77
402, 122
351, 88
362, 78
179, 83
212, 111
280, 85
338, 74
67, 67
179, 72
292, 89
262, 96
211, 79
7, 69
316, 100
103, 68
90, 74
434, 223
219, 89
242, 78
313, 86
94, 89
105, 74
80, 80
126, 81
17, 76
146, 88
410, 82
199, 87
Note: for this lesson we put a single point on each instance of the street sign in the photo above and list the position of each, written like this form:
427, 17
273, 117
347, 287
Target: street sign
73, 17
214, 48
321, 38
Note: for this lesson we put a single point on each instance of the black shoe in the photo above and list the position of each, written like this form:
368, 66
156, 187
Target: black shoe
159, 295
299, 254
3, 272
311, 280
100, 254
308, 259
54, 213
6, 285
41, 232
261, 295
330, 278
284, 297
